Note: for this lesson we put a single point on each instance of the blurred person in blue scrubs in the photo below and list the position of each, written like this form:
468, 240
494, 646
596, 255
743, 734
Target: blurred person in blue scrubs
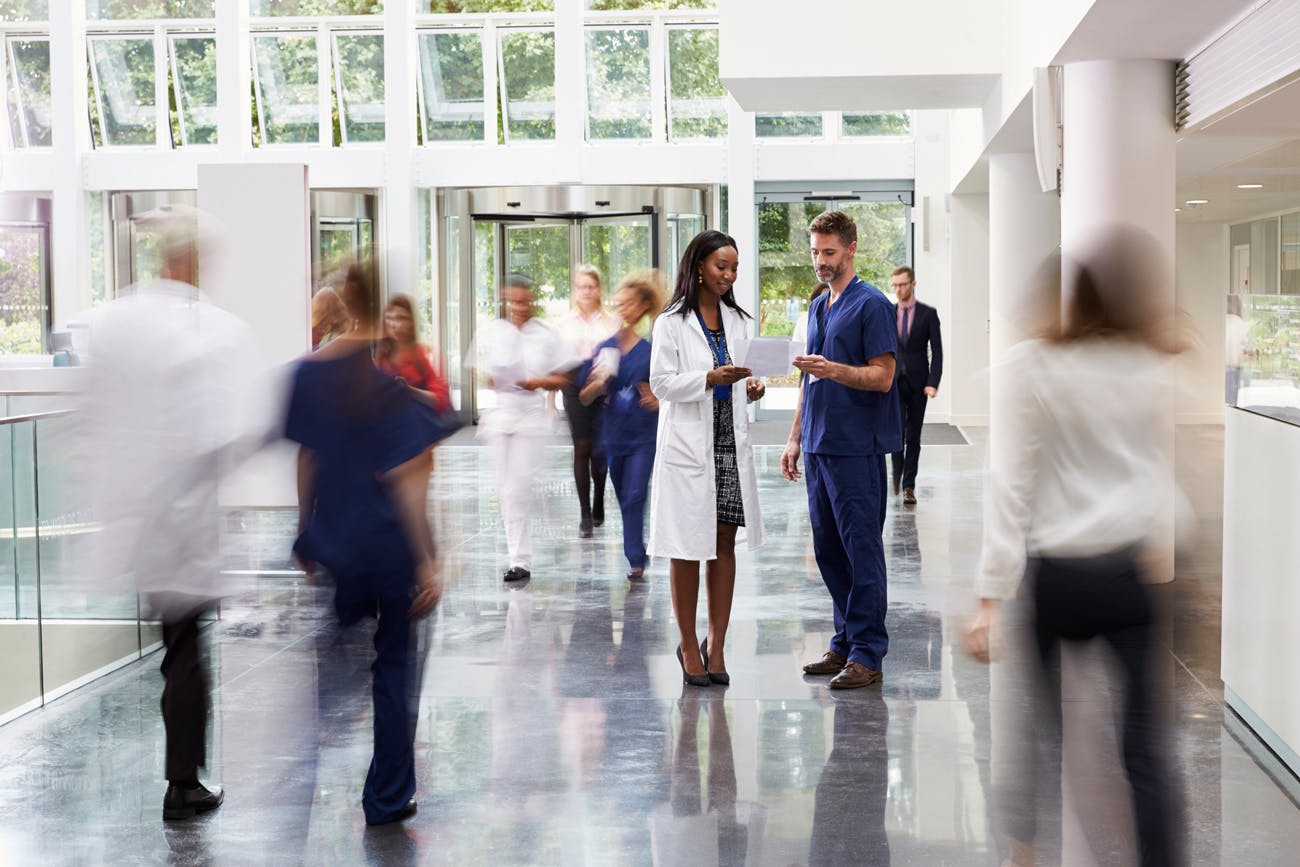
1079, 510
363, 476
167, 414
846, 422
618, 375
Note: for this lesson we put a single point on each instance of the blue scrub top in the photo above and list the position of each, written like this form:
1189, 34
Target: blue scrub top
360, 423
626, 426
836, 419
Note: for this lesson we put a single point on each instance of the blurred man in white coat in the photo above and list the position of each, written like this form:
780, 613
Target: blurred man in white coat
166, 416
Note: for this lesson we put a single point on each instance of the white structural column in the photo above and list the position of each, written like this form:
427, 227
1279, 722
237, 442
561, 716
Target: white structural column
70, 243
1119, 153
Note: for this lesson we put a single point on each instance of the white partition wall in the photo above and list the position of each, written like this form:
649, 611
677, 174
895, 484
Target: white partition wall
1261, 646
260, 270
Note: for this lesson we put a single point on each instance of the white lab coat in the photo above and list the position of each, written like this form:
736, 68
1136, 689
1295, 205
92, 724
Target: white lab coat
168, 413
683, 498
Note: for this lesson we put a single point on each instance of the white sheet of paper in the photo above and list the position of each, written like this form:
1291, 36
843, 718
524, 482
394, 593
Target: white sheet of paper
507, 377
766, 356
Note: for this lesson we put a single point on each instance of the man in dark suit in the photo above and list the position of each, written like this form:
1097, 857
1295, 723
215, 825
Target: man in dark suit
920, 365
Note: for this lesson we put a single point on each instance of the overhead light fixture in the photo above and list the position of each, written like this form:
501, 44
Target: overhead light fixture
1178, 210
1250, 186
1195, 202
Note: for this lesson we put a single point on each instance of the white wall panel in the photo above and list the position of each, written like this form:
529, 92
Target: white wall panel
261, 272
1201, 282
1261, 573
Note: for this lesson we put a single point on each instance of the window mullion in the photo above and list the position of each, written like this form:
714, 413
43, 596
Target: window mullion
491, 90
324, 53
658, 80
161, 113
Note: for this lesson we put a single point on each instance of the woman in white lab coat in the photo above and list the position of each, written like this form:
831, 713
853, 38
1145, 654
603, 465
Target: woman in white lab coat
705, 491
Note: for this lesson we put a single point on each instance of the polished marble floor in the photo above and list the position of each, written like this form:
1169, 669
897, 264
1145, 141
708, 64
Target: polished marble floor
555, 728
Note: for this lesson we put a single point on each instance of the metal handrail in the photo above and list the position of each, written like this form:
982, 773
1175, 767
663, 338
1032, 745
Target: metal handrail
36, 416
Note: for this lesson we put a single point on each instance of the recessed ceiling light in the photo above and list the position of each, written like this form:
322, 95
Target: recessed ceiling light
1177, 210
1195, 202
1250, 186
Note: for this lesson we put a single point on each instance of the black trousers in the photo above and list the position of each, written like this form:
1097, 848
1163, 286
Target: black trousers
1079, 599
184, 698
911, 405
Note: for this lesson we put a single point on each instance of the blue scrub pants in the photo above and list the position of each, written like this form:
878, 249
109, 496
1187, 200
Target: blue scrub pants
397, 672
631, 475
846, 504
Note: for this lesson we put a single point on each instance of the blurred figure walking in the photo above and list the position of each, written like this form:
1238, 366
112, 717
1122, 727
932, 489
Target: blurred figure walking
1079, 503
522, 359
363, 477
166, 417
618, 375
401, 353
587, 325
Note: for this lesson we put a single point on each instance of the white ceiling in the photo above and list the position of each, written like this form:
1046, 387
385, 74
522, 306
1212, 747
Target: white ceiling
1258, 143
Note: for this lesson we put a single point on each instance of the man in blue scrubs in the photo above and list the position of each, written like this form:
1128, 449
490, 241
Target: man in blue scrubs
846, 422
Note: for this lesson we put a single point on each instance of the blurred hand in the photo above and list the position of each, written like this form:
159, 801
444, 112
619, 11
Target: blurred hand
529, 384
728, 374
979, 640
814, 365
755, 389
931, 391
790, 461
310, 569
428, 588
649, 402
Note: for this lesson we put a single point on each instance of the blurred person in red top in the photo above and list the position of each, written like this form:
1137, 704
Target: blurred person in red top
402, 355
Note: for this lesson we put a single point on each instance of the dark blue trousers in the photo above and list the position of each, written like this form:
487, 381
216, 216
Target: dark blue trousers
846, 504
631, 475
396, 675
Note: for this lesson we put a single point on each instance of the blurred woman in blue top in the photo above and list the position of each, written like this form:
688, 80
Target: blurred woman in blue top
618, 376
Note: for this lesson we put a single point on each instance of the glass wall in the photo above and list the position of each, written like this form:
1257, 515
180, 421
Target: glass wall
57, 631
28, 91
1262, 349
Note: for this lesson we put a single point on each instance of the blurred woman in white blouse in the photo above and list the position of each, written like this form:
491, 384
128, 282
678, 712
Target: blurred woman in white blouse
1079, 506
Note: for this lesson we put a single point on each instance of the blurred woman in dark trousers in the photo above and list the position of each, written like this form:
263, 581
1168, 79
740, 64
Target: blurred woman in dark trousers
1079, 503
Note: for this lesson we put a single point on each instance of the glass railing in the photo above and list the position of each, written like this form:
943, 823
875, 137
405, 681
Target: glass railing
57, 630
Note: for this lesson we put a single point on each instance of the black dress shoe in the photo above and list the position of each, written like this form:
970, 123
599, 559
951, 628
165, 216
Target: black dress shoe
687, 678
584, 528
182, 802
598, 514
517, 573
405, 813
721, 678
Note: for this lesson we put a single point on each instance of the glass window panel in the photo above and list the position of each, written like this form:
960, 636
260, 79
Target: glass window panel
360, 70
528, 83
451, 78
24, 302
288, 102
124, 78
788, 124
452, 7
128, 9
697, 105
616, 5
283, 8
884, 123
618, 83
194, 62
24, 10
541, 253
29, 95
618, 247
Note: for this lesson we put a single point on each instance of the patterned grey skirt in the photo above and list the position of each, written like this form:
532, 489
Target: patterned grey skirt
731, 507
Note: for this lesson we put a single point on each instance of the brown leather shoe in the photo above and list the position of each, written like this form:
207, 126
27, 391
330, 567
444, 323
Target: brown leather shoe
854, 675
909, 497
830, 663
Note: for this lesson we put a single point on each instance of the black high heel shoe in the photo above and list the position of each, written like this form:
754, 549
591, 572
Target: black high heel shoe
687, 678
721, 679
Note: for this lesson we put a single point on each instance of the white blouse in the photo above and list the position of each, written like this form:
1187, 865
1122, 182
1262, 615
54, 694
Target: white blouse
1080, 455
